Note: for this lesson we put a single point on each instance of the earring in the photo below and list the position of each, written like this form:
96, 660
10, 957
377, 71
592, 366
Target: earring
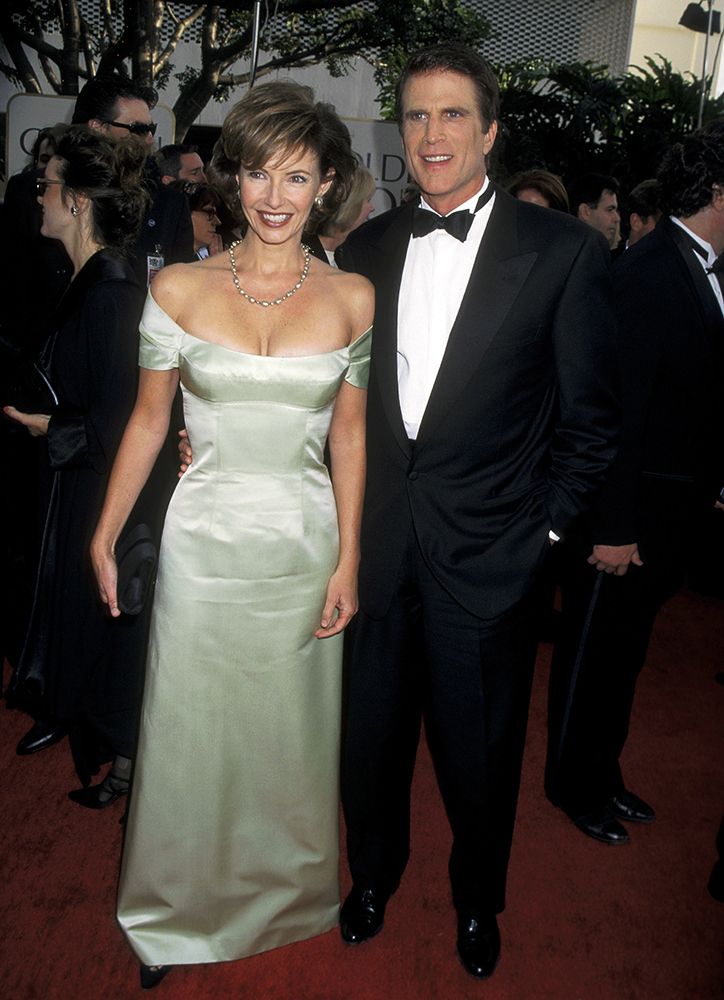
74, 210
319, 201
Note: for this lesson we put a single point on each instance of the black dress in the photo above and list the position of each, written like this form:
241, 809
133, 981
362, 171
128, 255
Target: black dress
79, 665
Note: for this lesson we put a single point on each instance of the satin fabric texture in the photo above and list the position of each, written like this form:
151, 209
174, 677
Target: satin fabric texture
232, 837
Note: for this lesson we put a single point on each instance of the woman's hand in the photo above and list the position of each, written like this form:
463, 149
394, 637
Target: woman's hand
104, 566
341, 603
184, 452
37, 423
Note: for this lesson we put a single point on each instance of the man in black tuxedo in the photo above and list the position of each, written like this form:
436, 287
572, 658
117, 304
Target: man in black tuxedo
491, 420
631, 554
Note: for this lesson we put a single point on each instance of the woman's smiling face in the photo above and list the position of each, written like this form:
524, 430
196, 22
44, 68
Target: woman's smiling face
277, 198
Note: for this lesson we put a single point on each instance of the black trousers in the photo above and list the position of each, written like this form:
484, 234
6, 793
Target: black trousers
601, 648
428, 658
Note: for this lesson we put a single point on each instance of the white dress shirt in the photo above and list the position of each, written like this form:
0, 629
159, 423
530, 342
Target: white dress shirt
705, 262
436, 274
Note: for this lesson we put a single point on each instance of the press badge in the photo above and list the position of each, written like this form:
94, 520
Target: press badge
154, 263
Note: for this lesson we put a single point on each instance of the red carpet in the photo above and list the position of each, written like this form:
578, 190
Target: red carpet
584, 921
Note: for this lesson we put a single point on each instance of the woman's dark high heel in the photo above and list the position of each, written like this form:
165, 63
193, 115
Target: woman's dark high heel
113, 787
151, 975
110, 790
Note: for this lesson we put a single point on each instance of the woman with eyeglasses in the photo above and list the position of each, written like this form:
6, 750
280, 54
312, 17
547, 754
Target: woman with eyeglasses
23, 328
80, 670
205, 205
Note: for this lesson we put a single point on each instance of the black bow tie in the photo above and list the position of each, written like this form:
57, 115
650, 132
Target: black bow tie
457, 224
717, 267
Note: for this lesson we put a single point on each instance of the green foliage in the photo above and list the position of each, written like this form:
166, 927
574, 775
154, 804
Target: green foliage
396, 34
576, 118
555, 115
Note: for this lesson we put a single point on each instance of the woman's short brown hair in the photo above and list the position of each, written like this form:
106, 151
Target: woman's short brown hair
548, 185
361, 189
275, 119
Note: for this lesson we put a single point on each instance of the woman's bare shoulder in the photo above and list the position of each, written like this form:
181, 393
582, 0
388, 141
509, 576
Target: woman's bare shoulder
348, 283
358, 294
177, 284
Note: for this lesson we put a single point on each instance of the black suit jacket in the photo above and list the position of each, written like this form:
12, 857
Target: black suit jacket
521, 423
167, 229
671, 353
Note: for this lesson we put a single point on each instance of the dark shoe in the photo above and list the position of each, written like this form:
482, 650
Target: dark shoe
630, 807
478, 945
40, 736
362, 915
602, 825
151, 975
110, 790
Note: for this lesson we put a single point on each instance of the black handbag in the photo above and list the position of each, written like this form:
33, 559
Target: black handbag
24, 381
25, 385
136, 560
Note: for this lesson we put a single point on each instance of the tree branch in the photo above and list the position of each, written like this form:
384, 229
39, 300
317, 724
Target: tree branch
181, 25
22, 64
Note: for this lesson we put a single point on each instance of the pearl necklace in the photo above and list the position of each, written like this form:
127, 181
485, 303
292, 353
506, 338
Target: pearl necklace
286, 295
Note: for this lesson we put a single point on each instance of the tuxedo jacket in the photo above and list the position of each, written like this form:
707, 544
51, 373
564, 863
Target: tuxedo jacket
522, 420
671, 355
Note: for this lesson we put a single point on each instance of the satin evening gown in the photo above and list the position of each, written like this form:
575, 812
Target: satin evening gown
232, 836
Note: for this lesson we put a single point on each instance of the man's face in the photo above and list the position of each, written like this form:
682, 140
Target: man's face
192, 168
128, 111
604, 216
444, 137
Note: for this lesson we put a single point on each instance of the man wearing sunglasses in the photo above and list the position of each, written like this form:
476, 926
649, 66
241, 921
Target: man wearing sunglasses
144, 130
121, 109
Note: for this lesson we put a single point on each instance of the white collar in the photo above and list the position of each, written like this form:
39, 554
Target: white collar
468, 205
711, 253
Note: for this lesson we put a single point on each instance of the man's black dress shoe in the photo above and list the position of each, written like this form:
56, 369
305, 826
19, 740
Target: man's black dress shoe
151, 975
630, 807
40, 736
602, 825
478, 944
362, 915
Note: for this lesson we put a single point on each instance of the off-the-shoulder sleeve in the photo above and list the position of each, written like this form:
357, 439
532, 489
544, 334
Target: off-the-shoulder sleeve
358, 372
160, 338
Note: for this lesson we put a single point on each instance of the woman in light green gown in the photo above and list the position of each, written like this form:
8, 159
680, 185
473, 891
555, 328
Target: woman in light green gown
232, 836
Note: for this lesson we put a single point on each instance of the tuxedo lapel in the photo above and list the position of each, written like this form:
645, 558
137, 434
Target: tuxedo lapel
498, 274
702, 292
392, 253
